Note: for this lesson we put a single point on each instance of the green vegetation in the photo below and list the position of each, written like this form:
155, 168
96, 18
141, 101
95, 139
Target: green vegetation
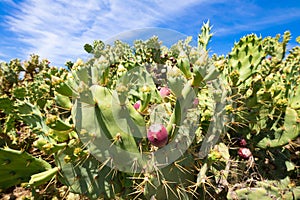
232, 122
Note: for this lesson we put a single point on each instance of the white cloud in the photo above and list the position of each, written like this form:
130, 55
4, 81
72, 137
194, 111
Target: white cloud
58, 29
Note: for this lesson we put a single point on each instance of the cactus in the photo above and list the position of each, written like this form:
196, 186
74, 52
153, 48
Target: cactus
42, 177
114, 129
85, 175
116, 101
27, 96
270, 117
205, 36
276, 49
151, 122
284, 134
264, 111
282, 189
107, 119
171, 182
63, 101
243, 61
17, 167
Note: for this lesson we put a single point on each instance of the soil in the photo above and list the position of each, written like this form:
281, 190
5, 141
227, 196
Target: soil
18, 193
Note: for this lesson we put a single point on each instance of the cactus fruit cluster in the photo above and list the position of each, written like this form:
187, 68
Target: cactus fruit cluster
154, 122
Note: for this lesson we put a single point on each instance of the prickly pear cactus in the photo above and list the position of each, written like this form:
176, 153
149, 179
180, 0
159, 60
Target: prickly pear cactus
117, 97
18, 167
151, 122
171, 182
263, 89
282, 189
86, 175
26, 98
27, 95
245, 58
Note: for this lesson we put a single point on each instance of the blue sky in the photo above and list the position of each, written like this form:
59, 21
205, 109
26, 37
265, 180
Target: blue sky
58, 29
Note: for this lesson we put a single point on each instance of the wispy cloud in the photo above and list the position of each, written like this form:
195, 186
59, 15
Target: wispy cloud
58, 29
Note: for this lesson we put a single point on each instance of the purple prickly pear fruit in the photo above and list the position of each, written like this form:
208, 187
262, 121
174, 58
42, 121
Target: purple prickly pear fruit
164, 92
242, 142
137, 105
158, 135
244, 153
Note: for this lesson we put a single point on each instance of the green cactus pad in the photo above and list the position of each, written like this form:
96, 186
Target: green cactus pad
17, 167
42, 177
106, 126
171, 181
64, 89
88, 176
290, 130
58, 124
281, 189
32, 116
63, 101
246, 56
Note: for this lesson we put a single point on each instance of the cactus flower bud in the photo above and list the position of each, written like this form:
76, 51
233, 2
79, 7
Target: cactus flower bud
137, 105
164, 92
158, 135
244, 153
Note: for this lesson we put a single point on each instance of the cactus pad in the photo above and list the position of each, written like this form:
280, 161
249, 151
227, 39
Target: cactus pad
17, 167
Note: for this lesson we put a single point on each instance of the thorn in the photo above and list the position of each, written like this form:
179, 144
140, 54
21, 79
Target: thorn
166, 186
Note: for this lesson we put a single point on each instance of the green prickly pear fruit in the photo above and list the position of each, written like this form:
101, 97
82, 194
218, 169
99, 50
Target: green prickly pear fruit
158, 135
121, 70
